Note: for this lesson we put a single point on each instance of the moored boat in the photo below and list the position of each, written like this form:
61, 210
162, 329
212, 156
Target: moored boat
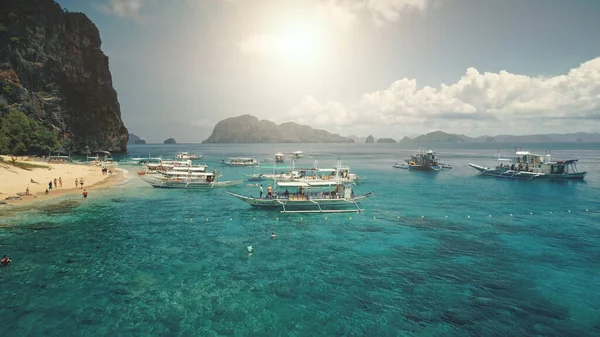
527, 165
241, 161
424, 161
308, 198
297, 154
188, 180
187, 156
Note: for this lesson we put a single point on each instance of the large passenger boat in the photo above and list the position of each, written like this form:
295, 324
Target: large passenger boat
423, 161
308, 198
241, 161
179, 178
527, 165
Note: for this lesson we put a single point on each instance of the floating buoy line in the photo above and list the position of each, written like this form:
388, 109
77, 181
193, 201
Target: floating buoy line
405, 217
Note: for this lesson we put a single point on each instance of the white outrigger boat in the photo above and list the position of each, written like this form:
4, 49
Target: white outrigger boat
240, 161
527, 165
187, 156
315, 175
143, 160
309, 198
297, 154
188, 180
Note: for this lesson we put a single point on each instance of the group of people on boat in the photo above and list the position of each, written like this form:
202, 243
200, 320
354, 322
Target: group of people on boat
519, 167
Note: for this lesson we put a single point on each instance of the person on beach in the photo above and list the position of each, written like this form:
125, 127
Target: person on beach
85, 193
60, 181
50, 185
76, 182
261, 191
81, 182
55, 183
27, 191
47, 192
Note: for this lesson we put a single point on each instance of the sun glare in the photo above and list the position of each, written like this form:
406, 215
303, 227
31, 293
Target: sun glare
299, 46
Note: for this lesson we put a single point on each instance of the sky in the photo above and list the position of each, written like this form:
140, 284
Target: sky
390, 68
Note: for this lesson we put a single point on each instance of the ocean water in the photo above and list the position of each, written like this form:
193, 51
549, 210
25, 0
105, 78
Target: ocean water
443, 254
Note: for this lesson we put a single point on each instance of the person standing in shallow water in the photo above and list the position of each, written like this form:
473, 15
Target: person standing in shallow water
85, 193
81, 182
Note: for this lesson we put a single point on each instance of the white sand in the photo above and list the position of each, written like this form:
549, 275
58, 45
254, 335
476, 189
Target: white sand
14, 180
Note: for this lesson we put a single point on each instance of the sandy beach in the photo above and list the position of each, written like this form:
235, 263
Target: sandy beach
16, 180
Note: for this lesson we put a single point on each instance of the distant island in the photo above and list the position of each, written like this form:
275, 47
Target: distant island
170, 141
385, 140
442, 137
134, 139
370, 139
249, 129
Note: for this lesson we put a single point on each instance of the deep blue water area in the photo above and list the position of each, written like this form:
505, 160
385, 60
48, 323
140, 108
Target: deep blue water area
443, 254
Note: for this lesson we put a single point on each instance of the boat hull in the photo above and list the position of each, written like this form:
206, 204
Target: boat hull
514, 174
424, 168
192, 185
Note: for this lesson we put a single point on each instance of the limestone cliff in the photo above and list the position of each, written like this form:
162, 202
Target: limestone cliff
52, 68
248, 129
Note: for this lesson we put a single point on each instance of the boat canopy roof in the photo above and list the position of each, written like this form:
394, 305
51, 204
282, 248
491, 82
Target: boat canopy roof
186, 174
241, 158
523, 153
570, 161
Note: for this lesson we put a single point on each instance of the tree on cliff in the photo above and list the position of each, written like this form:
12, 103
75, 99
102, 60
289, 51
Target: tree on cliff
20, 135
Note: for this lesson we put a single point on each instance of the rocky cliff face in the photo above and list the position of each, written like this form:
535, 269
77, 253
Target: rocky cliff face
248, 129
52, 68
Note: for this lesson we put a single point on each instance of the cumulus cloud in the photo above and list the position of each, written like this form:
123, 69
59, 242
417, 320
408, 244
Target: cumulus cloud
476, 99
122, 8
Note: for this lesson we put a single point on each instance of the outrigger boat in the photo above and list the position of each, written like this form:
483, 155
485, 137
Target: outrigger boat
189, 179
187, 156
297, 154
527, 165
143, 161
423, 161
240, 161
309, 198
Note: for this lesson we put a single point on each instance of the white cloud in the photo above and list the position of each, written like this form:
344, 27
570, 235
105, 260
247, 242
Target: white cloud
476, 100
122, 8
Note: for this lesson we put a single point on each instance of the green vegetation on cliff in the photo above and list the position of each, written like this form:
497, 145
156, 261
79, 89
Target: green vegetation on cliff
20, 134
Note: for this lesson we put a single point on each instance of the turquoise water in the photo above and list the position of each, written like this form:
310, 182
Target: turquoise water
434, 254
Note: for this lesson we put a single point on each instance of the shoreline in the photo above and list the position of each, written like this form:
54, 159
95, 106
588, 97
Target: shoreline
15, 180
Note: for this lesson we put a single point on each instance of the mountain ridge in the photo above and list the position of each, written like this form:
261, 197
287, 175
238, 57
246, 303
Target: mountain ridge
249, 129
